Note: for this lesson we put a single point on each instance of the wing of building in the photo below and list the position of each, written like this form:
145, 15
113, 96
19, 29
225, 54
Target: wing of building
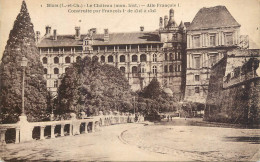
140, 55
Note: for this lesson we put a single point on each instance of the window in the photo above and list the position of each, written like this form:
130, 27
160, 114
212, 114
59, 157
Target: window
78, 59
45, 71
196, 41
197, 89
166, 69
56, 71
174, 37
143, 58
212, 40
178, 67
197, 78
171, 56
67, 59
213, 60
197, 62
110, 58
56, 60
154, 58
122, 58
122, 68
165, 56
171, 68
134, 58
103, 59
154, 69
44, 60
134, 69
228, 39
55, 83
143, 70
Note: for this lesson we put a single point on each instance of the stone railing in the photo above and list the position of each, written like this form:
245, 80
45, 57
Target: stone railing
25, 131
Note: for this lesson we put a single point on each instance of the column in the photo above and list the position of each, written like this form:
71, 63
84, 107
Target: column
42, 132
52, 131
114, 48
62, 130
191, 61
126, 48
86, 127
138, 47
70, 132
223, 40
93, 126
130, 48
2, 135
188, 60
219, 38
17, 135
188, 41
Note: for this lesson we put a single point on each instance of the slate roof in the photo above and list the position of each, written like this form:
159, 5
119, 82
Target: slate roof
213, 17
114, 39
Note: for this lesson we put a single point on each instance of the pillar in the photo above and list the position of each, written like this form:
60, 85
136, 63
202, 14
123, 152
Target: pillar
52, 131
191, 64
2, 135
93, 126
86, 127
17, 135
70, 132
62, 130
42, 132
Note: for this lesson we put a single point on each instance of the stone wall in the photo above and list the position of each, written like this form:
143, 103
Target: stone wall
235, 104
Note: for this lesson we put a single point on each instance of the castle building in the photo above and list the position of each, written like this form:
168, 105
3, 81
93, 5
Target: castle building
210, 35
141, 55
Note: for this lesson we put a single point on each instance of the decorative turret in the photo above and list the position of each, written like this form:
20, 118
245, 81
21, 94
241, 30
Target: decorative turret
161, 23
77, 32
165, 21
171, 22
181, 26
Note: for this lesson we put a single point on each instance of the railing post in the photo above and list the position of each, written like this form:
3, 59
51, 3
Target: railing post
93, 126
42, 133
62, 130
52, 131
2, 135
86, 127
17, 135
70, 129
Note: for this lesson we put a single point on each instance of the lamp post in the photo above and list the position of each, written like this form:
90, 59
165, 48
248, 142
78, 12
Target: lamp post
23, 64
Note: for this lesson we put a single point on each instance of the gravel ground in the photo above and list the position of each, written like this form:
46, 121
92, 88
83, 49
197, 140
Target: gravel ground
132, 142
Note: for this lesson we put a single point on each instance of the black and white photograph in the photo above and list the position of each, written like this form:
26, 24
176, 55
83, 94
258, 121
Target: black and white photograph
139, 80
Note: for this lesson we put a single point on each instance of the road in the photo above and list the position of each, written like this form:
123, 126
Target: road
131, 142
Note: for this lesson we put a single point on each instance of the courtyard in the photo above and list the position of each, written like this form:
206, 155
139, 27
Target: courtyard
142, 142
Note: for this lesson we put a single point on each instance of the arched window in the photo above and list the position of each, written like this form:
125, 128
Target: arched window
78, 59
134, 58
171, 68
154, 69
171, 56
110, 58
56, 71
103, 59
154, 58
67, 59
122, 68
45, 71
143, 58
166, 69
134, 69
44, 60
166, 56
122, 58
56, 60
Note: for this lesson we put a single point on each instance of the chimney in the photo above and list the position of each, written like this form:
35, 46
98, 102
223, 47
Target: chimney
165, 21
141, 28
171, 14
38, 36
54, 34
48, 30
106, 35
77, 32
161, 23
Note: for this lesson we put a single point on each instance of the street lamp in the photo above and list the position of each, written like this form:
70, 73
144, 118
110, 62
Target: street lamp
23, 64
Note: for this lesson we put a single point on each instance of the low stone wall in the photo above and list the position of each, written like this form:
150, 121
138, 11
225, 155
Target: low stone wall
24, 130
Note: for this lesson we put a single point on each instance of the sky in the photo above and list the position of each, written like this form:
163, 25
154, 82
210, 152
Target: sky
246, 12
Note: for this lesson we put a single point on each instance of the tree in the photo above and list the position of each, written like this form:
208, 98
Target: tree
91, 86
153, 90
21, 42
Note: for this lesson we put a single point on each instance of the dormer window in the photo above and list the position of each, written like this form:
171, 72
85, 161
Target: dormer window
228, 39
212, 40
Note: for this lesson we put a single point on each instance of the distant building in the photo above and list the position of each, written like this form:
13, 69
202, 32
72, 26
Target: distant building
141, 56
210, 35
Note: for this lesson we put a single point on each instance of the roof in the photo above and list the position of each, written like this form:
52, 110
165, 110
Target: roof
114, 39
213, 17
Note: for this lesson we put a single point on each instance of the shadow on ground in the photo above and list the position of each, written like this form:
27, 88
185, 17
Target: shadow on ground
252, 140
